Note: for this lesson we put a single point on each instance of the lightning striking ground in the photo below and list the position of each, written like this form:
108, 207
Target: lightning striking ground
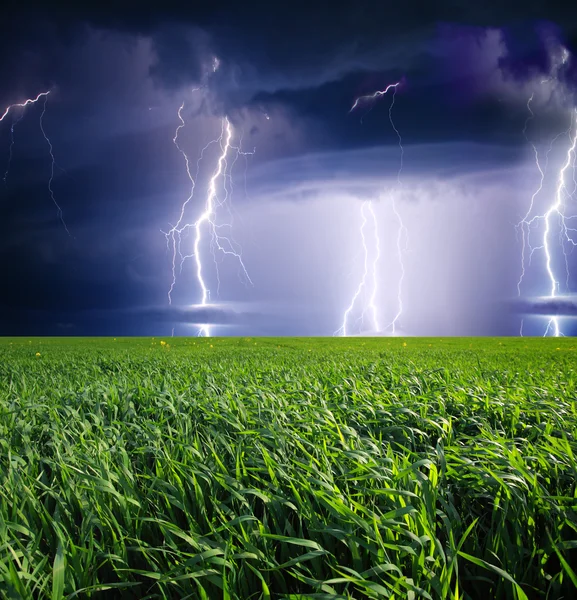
556, 210
524, 224
555, 219
371, 304
218, 192
50, 147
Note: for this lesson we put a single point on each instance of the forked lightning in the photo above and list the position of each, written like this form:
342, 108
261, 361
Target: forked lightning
217, 194
555, 220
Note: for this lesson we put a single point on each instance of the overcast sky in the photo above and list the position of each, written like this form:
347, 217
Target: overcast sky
301, 176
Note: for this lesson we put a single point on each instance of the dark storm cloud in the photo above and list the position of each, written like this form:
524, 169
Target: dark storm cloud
422, 113
562, 306
536, 51
313, 59
266, 48
299, 43
528, 50
114, 254
115, 71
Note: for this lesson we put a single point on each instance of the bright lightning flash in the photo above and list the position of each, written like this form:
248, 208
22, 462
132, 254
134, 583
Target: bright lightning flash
557, 209
218, 191
371, 97
371, 304
554, 218
23, 104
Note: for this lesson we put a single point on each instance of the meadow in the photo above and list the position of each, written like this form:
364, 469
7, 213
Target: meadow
295, 468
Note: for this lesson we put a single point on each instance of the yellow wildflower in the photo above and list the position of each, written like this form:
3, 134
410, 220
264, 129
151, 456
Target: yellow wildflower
162, 343
37, 354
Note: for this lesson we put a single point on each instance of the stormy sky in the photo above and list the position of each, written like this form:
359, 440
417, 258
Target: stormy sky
438, 193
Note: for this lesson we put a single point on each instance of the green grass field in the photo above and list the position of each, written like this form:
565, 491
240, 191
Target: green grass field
288, 468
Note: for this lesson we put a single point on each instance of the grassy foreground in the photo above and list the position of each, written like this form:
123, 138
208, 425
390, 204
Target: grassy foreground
288, 468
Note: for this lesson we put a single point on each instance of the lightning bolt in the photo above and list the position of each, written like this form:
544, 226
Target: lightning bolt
402, 231
556, 211
23, 104
174, 235
555, 218
523, 224
219, 190
402, 235
370, 98
557, 208
52, 165
366, 206
373, 297
50, 148
14, 123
